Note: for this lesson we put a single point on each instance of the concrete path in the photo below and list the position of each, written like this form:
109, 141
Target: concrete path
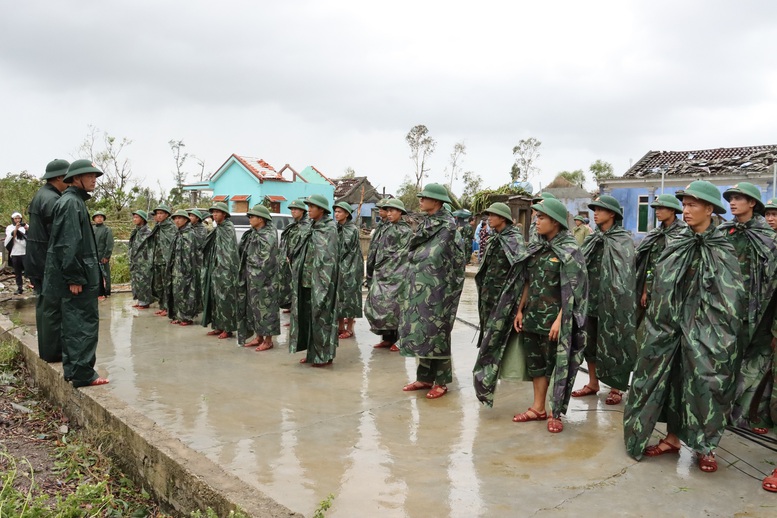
298, 433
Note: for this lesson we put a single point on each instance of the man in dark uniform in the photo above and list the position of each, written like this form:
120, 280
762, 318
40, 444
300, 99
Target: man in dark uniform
48, 317
103, 235
73, 277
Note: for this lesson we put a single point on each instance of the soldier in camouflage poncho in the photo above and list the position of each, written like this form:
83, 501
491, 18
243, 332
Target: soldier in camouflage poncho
552, 309
257, 299
467, 235
314, 301
686, 368
162, 237
196, 218
390, 242
141, 260
220, 279
103, 236
375, 240
650, 249
183, 272
610, 328
533, 226
756, 250
289, 240
499, 282
431, 295
351, 268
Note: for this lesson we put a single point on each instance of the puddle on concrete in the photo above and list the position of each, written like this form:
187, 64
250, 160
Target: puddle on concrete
299, 434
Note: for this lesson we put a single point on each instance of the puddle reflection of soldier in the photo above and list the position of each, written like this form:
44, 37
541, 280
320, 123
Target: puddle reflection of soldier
73, 275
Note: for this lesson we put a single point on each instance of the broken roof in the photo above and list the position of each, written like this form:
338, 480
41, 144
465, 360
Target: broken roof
705, 162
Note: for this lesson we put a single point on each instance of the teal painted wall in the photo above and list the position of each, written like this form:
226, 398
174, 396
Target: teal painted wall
237, 180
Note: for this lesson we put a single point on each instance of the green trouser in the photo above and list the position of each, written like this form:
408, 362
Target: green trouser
305, 337
435, 370
80, 325
106, 268
48, 320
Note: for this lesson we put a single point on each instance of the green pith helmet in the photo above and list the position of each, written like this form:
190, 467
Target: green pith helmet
749, 190
381, 203
56, 167
704, 191
81, 167
771, 204
99, 213
196, 212
142, 213
500, 209
580, 218
667, 201
299, 203
543, 196
555, 209
220, 205
395, 203
435, 191
606, 201
261, 211
318, 200
181, 213
345, 206
447, 206
164, 207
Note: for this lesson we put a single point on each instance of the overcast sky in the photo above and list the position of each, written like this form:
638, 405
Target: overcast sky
339, 84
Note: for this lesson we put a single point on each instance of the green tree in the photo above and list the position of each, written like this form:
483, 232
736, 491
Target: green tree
601, 170
526, 154
421, 147
473, 183
408, 192
107, 152
456, 157
576, 177
349, 172
16, 191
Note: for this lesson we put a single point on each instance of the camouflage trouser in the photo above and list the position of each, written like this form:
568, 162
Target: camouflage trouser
540, 354
591, 338
435, 370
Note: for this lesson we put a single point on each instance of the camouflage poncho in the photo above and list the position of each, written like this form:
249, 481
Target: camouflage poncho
372, 250
432, 288
162, 236
757, 240
141, 263
257, 293
499, 280
289, 240
219, 291
314, 328
183, 275
616, 310
389, 270
200, 235
467, 235
351, 272
685, 372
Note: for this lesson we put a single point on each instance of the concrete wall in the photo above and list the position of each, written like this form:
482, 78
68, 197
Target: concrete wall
183, 479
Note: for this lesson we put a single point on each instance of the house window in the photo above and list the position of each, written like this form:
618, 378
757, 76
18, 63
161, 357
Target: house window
644, 214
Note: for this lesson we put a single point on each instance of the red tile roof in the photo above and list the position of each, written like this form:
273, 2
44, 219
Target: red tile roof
241, 197
275, 198
260, 169
221, 197
706, 162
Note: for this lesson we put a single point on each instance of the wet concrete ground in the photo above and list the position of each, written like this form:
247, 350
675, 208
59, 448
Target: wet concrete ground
298, 433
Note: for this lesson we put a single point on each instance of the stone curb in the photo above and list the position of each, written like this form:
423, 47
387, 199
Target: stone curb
178, 476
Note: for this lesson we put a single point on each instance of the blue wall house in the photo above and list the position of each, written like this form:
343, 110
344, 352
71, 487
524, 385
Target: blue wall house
244, 181
670, 171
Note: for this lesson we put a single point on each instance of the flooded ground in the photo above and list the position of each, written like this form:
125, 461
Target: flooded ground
299, 434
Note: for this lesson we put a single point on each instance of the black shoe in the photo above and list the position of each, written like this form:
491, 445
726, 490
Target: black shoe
19, 291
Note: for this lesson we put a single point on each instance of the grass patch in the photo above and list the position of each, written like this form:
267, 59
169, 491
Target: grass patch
120, 273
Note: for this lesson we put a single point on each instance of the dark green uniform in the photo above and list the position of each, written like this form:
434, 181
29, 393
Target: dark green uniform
220, 279
648, 252
72, 259
431, 296
162, 236
48, 316
314, 301
685, 372
756, 252
351, 272
467, 234
499, 283
183, 276
257, 289
611, 324
141, 263
289, 241
103, 235
389, 247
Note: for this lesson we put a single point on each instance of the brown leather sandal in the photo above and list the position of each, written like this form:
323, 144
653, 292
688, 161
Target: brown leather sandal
656, 449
